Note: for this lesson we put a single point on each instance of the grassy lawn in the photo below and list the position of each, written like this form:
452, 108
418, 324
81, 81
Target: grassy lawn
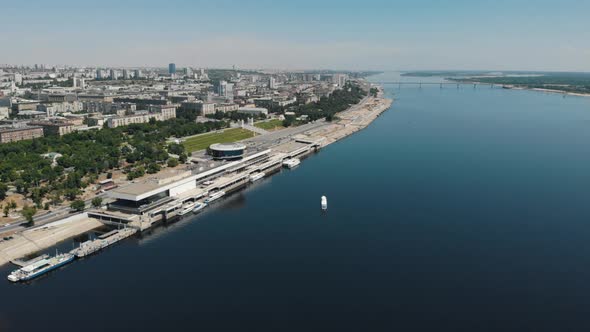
228, 135
270, 125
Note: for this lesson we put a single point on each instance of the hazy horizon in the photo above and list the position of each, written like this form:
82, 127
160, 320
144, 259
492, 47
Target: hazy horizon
373, 35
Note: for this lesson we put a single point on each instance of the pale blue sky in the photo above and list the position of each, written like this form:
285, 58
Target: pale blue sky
344, 34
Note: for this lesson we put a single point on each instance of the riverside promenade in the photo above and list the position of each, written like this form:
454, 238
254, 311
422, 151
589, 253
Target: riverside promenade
356, 118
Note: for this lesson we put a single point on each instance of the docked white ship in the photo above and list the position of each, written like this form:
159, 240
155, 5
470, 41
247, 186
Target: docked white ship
187, 208
214, 196
198, 207
257, 176
40, 267
292, 162
324, 203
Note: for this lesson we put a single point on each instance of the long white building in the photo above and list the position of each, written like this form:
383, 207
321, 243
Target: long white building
159, 112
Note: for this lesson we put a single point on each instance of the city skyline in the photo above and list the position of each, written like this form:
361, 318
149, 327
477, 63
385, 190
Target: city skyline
374, 35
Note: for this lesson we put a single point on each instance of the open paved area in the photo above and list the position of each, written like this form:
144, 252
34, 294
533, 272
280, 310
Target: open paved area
39, 238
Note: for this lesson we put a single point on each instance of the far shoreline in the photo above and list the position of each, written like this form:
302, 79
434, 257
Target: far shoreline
474, 77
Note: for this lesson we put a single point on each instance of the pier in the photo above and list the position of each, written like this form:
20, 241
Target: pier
103, 241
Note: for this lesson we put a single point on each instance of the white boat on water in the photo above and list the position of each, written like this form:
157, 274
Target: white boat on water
40, 267
292, 162
324, 203
186, 209
257, 176
198, 207
214, 196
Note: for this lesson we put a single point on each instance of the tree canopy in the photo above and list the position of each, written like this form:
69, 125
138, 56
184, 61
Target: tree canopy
87, 154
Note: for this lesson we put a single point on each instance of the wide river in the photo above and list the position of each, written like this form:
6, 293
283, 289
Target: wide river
457, 209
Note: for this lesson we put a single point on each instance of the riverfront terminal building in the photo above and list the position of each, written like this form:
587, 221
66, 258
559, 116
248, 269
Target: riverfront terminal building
227, 151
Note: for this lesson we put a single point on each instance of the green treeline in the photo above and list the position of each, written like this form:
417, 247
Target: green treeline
327, 107
136, 148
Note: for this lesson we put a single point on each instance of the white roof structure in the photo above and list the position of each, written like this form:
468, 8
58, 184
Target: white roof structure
227, 146
35, 265
147, 188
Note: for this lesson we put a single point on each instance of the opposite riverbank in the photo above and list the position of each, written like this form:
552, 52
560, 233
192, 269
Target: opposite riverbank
561, 92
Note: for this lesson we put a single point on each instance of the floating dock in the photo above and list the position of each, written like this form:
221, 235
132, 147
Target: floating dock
103, 241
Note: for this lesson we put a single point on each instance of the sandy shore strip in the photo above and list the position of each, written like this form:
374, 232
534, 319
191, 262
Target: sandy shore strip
36, 239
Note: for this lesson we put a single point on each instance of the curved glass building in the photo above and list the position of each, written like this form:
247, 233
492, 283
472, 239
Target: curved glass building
227, 151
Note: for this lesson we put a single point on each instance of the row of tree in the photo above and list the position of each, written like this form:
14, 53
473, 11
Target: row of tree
138, 148
235, 116
327, 107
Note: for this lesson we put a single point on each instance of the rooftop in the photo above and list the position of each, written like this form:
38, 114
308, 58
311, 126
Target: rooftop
227, 146
166, 180
8, 130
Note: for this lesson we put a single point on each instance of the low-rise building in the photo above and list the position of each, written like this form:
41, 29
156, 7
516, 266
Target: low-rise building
267, 102
19, 134
4, 112
96, 120
253, 110
54, 127
61, 97
142, 102
158, 112
308, 98
181, 98
25, 105
76, 119
198, 106
263, 102
31, 114
96, 98
226, 107
166, 111
107, 107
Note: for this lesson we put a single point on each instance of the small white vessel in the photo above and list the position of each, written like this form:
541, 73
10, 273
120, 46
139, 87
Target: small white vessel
186, 209
199, 207
40, 267
214, 196
292, 162
257, 176
324, 203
